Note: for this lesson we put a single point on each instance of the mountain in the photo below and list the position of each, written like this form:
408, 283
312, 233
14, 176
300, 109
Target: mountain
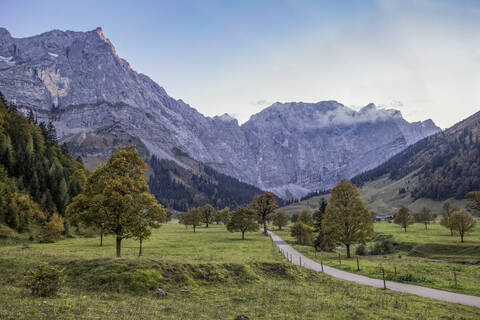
444, 165
97, 102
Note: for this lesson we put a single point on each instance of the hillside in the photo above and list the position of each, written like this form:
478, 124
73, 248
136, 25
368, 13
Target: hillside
180, 188
38, 177
445, 165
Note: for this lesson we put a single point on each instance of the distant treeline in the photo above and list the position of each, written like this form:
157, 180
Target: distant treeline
181, 189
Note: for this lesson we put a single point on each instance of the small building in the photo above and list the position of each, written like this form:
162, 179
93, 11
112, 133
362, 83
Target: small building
384, 217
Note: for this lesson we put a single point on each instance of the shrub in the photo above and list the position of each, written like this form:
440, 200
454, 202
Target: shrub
44, 280
361, 250
384, 244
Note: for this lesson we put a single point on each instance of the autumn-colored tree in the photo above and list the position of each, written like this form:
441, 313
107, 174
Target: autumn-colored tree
462, 222
280, 219
224, 215
243, 220
152, 215
446, 213
302, 232
208, 214
425, 216
118, 192
52, 230
192, 218
264, 205
403, 218
306, 218
473, 202
87, 208
346, 220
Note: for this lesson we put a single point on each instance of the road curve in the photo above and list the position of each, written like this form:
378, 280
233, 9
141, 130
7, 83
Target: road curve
299, 259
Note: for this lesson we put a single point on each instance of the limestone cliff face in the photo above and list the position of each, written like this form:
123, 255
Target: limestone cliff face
97, 102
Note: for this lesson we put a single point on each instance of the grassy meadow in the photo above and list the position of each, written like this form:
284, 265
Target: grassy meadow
424, 257
382, 197
210, 274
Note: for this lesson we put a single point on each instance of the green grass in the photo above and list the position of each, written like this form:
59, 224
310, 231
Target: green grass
425, 258
224, 276
382, 197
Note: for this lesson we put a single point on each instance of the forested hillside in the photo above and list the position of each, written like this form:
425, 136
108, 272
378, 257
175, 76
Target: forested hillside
37, 176
180, 188
446, 164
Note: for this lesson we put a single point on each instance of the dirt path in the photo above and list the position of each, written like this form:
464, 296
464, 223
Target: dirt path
299, 259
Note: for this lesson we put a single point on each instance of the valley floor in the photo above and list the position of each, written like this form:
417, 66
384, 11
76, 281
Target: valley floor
210, 274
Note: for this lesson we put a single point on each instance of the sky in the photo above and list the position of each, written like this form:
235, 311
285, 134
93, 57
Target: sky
238, 57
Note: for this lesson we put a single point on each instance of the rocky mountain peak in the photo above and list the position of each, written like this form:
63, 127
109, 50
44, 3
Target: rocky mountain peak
97, 102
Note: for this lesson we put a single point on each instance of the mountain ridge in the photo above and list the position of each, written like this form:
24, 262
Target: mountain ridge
77, 80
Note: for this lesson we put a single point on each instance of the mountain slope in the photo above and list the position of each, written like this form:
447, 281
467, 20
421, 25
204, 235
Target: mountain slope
442, 166
95, 99
37, 177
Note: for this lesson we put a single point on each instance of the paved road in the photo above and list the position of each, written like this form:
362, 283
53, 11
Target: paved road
297, 258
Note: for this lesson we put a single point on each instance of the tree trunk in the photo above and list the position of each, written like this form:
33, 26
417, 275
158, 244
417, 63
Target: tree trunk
101, 238
265, 226
194, 226
405, 229
206, 224
140, 249
426, 226
280, 228
348, 251
243, 235
451, 232
461, 236
119, 247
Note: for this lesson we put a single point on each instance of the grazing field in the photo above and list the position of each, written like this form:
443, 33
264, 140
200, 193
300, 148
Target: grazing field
210, 274
382, 196
423, 257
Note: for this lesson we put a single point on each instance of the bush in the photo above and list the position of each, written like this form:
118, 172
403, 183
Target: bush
384, 244
45, 280
361, 250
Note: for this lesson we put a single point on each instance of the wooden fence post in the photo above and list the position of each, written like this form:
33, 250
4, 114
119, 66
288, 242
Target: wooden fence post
321, 263
455, 276
383, 276
300, 258
358, 265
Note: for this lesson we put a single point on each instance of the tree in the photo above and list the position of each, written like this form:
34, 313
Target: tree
243, 220
152, 217
118, 191
192, 218
322, 241
473, 202
306, 218
264, 205
302, 232
447, 212
403, 218
346, 220
224, 215
52, 230
208, 214
462, 222
280, 219
425, 216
